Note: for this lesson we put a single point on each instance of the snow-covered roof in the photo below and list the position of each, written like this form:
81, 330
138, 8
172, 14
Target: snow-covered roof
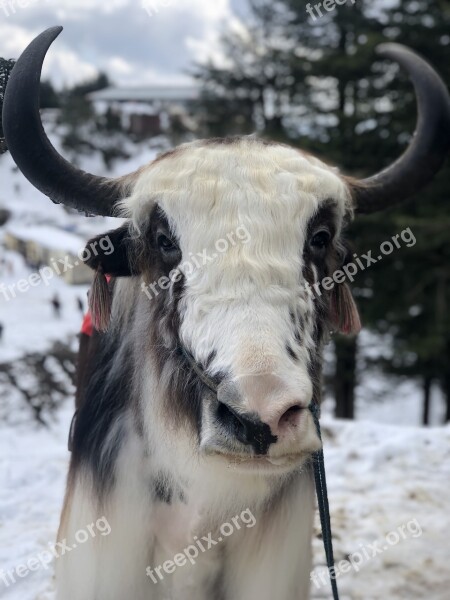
166, 93
131, 107
49, 237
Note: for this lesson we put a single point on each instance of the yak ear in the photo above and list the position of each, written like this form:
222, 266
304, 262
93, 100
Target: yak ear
344, 312
108, 254
111, 253
344, 315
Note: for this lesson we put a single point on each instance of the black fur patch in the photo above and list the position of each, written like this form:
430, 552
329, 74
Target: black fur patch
291, 352
107, 393
113, 361
166, 491
325, 218
162, 491
247, 428
185, 391
297, 324
324, 261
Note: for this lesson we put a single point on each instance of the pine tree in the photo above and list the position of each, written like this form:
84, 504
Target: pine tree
254, 91
49, 98
86, 131
411, 298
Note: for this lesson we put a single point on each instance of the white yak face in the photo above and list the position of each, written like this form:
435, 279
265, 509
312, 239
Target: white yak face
236, 232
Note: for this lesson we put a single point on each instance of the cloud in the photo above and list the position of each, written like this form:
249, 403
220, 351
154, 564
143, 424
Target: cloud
133, 44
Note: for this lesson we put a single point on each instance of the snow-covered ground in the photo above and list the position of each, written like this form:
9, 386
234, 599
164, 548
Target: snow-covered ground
33, 465
387, 485
387, 477
29, 322
388, 488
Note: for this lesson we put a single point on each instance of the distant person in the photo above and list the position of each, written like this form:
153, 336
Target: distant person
1, 331
80, 305
56, 303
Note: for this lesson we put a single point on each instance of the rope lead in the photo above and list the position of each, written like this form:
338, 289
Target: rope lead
322, 501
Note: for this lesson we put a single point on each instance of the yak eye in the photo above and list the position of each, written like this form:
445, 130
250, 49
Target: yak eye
169, 251
165, 243
321, 239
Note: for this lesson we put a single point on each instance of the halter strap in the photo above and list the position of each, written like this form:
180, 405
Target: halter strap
198, 370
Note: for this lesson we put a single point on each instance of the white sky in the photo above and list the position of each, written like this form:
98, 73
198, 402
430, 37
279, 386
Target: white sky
133, 44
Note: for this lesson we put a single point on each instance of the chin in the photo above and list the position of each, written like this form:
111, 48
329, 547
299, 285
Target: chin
286, 456
248, 464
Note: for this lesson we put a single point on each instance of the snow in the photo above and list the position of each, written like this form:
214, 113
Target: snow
29, 322
33, 466
184, 93
381, 478
49, 237
384, 472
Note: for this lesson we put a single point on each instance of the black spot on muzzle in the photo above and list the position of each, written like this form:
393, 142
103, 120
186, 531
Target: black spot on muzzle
247, 428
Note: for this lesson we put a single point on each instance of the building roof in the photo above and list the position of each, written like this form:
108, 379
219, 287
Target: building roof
49, 237
151, 93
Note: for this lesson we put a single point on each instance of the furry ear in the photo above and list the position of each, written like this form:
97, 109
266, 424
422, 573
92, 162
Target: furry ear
108, 254
112, 253
344, 312
100, 301
344, 315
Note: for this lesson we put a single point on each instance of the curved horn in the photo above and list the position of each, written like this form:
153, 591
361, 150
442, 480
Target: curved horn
429, 147
31, 149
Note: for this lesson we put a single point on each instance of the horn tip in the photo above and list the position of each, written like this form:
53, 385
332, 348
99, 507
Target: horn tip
54, 31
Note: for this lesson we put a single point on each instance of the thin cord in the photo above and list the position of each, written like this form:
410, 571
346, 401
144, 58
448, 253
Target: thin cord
322, 501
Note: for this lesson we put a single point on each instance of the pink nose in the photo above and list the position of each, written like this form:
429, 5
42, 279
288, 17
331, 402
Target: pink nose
274, 401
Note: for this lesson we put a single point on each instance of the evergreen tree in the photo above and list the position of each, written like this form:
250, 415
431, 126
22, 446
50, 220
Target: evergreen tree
95, 84
414, 303
48, 96
254, 90
86, 131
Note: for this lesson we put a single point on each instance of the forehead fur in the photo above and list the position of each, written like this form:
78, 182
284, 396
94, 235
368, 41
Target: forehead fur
210, 176
244, 297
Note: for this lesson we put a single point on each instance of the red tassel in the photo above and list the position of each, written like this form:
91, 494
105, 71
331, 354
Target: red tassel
100, 301
344, 312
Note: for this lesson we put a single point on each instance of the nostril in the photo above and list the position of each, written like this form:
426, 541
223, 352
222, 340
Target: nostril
290, 417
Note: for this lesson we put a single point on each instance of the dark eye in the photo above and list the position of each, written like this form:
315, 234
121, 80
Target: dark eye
168, 249
166, 243
321, 239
